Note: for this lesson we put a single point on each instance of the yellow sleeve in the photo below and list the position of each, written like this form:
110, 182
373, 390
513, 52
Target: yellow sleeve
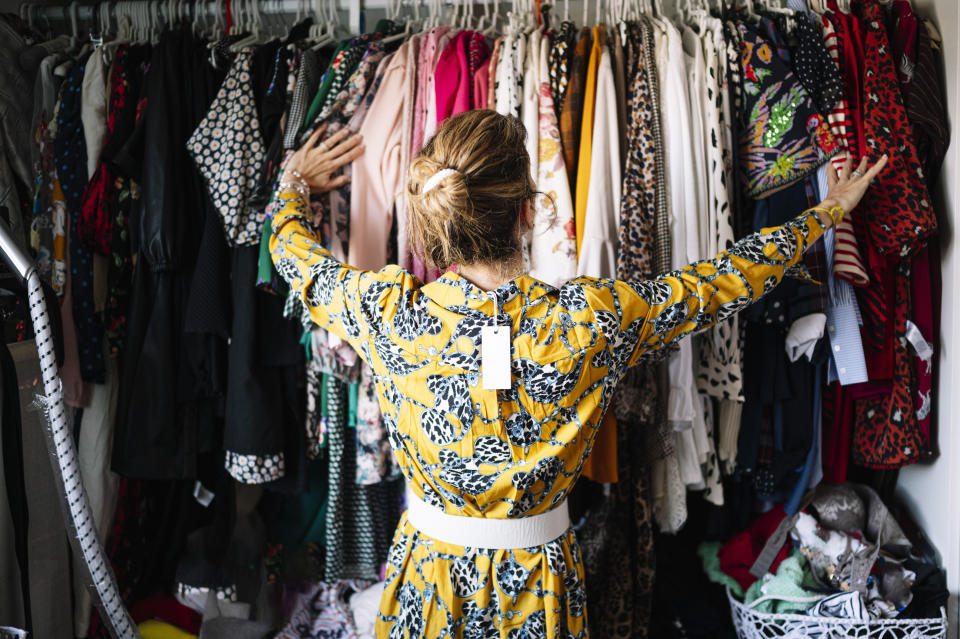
639, 317
346, 301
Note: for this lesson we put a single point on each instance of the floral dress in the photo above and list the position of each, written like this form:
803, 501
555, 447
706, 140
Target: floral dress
509, 453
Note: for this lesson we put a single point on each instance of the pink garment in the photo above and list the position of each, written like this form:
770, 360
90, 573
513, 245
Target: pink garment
404, 252
426, 62
481, 86
377, 177
452, 79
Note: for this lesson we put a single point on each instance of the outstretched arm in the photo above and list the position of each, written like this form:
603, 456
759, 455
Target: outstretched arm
640, 317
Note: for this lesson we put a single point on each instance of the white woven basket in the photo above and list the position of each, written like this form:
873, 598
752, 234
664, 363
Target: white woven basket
751, 624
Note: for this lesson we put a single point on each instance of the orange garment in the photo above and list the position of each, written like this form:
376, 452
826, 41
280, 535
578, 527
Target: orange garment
586, 133
601, 465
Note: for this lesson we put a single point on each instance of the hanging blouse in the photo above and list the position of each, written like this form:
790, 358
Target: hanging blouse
553, 250
452, 78
70, 153
785, 138
585, 148
848, 262
228, 149
492, 79
900, 216
719, 373
377, 177
571, 111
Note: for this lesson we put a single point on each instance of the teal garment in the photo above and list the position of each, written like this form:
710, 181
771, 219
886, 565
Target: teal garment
266, 273
709, 552
794, 580
295, 520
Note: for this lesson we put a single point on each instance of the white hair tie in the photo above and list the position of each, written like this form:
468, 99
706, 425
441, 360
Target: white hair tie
435, 179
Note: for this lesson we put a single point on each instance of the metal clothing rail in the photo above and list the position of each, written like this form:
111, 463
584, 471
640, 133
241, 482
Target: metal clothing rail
63, 454
89, 13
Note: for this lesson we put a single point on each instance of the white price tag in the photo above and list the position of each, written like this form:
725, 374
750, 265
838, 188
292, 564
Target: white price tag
495, 357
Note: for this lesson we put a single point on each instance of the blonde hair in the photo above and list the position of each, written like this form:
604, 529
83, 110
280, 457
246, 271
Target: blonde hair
472, 214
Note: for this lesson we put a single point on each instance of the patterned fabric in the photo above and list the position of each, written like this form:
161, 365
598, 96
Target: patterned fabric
839, 114
814, 68
307, 78
509, 85
571, 113
254, 469
477, 54
900, 216
70, 151
886, 432
375, 461
111, 197
663, 248
553, 250
350, 548
785, 138
515, 452
719, 373
925, 103
638, 211
322, 612
228, 149
492, 78
560, 50
848, 262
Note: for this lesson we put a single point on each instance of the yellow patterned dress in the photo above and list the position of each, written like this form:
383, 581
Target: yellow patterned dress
509, 453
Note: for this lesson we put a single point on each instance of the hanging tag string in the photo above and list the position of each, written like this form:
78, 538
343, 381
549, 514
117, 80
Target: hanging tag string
496, 309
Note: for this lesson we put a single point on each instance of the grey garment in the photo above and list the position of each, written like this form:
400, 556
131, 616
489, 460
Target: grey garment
93, 111
16, 105
308, 78
48, 549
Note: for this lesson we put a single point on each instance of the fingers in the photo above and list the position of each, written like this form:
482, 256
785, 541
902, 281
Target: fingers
339, 181
876, 169
337, 137
346, 158
862, 167
312, 140
339, 146
847, 168
832, 176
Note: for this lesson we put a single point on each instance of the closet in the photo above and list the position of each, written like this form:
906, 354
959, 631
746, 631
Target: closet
258, 455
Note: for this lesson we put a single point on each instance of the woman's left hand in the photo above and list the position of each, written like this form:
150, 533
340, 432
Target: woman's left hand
316, 163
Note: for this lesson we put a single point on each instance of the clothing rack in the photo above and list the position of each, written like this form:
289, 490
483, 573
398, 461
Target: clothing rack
78, 516
76, 13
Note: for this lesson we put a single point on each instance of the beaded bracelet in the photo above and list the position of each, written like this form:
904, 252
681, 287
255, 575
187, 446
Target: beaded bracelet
298, 187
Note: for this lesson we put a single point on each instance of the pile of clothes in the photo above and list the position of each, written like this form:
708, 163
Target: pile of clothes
842, 554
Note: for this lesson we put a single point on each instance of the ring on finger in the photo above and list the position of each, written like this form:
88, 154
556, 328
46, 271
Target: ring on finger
323, 147
857, 173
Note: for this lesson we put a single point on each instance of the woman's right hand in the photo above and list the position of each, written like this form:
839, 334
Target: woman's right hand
847, 187
317, 162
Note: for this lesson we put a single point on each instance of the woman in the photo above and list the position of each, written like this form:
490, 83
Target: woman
485, 548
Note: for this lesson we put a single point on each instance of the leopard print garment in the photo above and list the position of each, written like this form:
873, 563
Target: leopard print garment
886, 432
900, 216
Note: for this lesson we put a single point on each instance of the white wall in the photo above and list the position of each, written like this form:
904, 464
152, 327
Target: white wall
932, 492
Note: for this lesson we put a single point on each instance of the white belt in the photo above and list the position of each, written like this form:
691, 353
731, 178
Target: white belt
478, 532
